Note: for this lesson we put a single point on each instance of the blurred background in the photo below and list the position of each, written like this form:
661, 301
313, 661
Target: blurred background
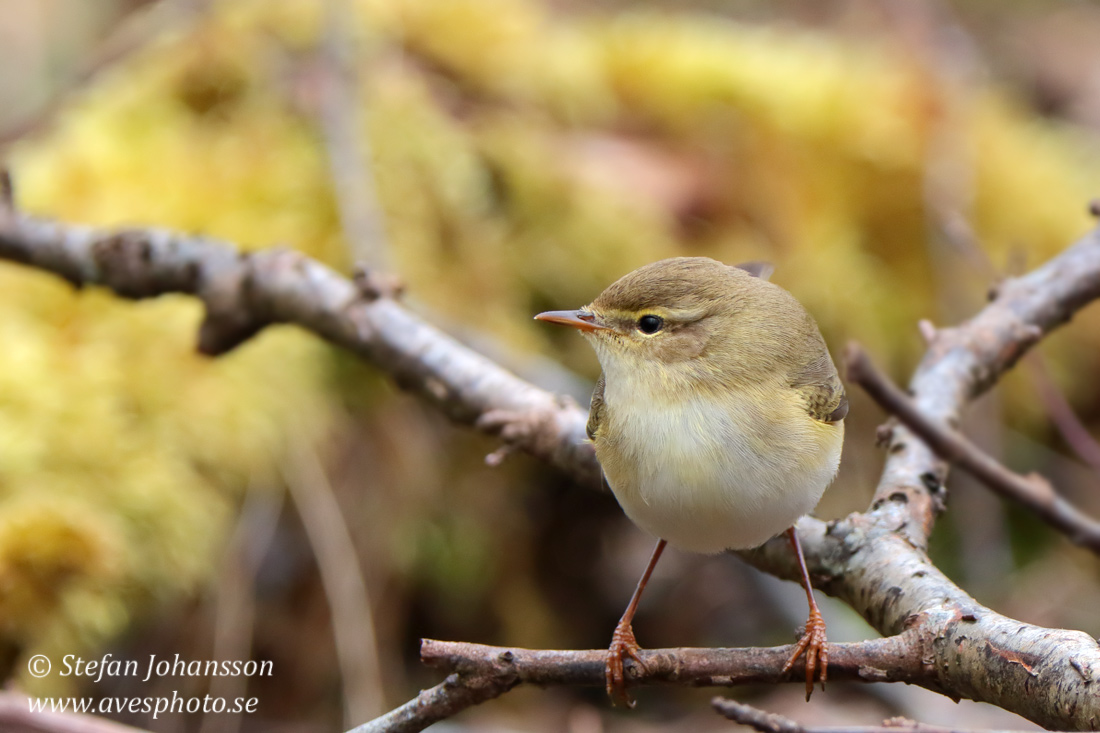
287, 503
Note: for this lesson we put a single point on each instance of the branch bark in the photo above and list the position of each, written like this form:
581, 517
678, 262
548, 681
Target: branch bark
1073, 431
443, 701
765, 722
899, 658
867, 560
964, 361
1033, 492
244, 293
479, 673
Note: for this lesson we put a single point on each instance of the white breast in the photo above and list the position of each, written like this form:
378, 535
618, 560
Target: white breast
708, 477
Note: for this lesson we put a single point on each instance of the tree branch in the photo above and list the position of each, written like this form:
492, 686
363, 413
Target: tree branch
340, 115
1033, 492
479, 673
894, 659
446, 699
1061, 413
964, 361
244, 293
867, 560
765, 722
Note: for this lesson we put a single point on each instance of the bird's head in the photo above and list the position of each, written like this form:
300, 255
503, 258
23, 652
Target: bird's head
688, 317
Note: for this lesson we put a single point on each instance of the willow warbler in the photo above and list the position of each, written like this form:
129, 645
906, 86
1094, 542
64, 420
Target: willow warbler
718, 419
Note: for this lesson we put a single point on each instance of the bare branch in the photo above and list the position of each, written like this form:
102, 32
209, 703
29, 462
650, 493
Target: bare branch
754, 717
868, 560
244, 293
448, 698
348, 154
893, 659
1062, 415
1033, 492
766, 722
234, 597
481, 672
964, 361
353, 629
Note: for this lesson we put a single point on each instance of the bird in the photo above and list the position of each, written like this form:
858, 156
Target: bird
717, 420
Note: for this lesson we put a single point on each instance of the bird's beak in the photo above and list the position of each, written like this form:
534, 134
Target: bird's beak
580, 320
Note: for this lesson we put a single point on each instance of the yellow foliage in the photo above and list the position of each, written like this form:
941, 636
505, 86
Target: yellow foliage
124, 450
45, 546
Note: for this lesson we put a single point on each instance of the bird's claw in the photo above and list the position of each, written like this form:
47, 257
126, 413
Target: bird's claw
814, 645
623, 644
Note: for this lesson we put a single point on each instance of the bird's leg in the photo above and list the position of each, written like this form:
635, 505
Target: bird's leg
813, 642
623, 643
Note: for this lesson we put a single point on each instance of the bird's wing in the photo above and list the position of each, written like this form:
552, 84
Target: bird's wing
595, 412
822, 390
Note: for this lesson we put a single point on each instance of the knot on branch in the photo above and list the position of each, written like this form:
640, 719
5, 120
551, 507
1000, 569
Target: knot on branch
124, 260
374, 284
231, 319
469, 669
535, 431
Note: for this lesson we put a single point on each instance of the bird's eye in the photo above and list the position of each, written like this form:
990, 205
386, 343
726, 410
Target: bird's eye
650, 324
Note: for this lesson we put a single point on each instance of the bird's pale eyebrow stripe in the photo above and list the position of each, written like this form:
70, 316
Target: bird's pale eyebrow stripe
677, 316
685, 315
681, 315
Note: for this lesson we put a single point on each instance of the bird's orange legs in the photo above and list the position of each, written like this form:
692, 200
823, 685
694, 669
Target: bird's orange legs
813, 642
623, 643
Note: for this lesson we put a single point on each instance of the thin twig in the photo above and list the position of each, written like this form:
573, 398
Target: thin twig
234, 597
345, 144
342, 578
1061, 413
132, 33
446, 699
766, 722
1033, 492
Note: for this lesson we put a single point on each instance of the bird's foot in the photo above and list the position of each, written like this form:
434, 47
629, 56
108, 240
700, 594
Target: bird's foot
814, 645
623, 645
